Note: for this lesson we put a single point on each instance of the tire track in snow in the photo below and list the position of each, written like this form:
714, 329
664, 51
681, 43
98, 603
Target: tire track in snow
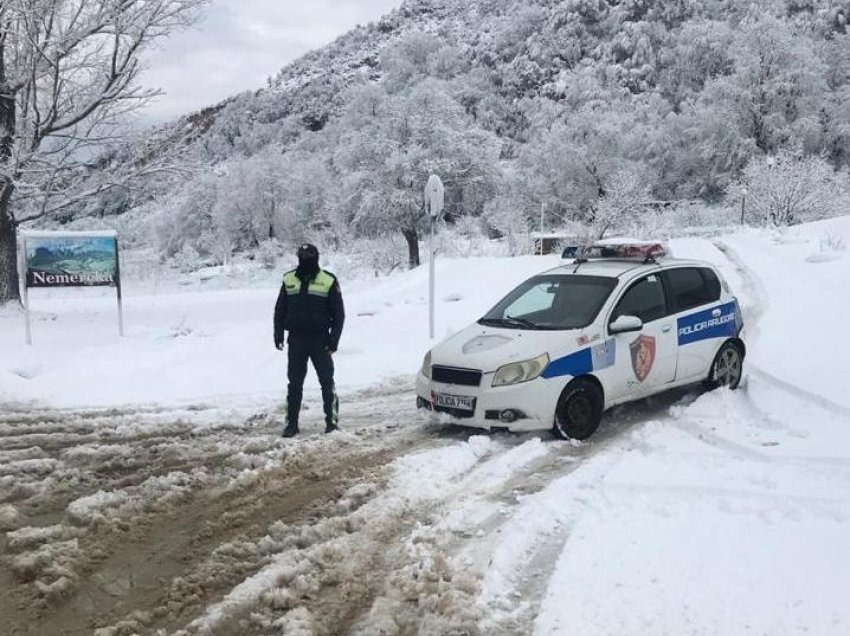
753, 288
520, 551
802, 394
336, 567
756, 291
252, 448
467, 521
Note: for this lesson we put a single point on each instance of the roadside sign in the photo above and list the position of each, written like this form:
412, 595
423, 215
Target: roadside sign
434, 197
70, 259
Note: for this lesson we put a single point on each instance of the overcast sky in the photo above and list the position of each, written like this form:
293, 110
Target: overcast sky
239, 43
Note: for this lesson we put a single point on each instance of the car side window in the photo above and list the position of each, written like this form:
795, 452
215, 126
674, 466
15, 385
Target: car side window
644, 299
690, 288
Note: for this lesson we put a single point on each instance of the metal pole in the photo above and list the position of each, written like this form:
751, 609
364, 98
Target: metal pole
22, 281
743, 199
120, 312
433, 208
542, 208
118, 290
25, 291
431, 283
27, 315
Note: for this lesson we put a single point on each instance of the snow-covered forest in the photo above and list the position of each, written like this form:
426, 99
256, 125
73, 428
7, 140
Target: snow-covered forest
589, 114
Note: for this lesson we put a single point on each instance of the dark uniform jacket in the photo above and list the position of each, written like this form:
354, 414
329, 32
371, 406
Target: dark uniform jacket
310, 306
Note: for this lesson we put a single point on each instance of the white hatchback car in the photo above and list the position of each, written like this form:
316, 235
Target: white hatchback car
620, 323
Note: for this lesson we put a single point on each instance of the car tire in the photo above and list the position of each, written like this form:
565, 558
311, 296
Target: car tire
727, 369
579, 410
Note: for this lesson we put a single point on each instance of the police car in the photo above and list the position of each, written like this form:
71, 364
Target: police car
620, 323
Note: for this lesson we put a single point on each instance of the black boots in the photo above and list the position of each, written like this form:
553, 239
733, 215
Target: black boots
292, 431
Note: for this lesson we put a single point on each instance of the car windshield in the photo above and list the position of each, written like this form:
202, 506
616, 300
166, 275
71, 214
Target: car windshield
551, 301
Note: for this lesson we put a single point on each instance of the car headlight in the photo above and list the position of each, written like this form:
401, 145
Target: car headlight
517, 372
426, 365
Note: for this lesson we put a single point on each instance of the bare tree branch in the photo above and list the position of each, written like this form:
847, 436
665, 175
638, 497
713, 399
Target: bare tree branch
69, 72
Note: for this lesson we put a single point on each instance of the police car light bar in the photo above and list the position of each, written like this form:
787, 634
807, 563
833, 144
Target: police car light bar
647, 252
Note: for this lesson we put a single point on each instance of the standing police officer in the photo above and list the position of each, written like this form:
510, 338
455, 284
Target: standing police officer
310, 308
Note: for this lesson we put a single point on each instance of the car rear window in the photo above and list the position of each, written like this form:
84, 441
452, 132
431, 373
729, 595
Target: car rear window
693, 286
713, 283
552, 301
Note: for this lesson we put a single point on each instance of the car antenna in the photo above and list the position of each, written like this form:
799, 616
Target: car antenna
581, 258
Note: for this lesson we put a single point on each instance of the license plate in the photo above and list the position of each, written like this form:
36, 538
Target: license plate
461, 402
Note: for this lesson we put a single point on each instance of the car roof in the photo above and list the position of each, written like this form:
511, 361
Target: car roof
617, 267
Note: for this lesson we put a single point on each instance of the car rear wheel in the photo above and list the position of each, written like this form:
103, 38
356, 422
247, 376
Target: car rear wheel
579, 410
727, 368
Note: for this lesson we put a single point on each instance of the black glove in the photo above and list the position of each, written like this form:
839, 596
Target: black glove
278, 343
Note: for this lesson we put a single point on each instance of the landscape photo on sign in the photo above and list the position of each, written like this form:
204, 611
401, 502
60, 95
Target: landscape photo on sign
68, 261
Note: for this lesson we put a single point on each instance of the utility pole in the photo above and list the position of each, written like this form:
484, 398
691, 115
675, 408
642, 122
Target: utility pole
542, 210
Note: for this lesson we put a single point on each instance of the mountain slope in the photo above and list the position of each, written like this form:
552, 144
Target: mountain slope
592, 111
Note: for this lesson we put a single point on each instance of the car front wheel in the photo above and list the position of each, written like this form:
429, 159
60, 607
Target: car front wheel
727, 368
579, 410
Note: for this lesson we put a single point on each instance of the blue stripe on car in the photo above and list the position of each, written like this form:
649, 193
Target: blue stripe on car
594, 358
704, 324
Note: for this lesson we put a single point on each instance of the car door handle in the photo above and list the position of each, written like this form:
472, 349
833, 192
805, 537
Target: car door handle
716, 313
665, 328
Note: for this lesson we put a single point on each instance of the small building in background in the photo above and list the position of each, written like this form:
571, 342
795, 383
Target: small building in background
553, 242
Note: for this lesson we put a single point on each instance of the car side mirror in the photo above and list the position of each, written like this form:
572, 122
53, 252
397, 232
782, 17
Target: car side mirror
625, 324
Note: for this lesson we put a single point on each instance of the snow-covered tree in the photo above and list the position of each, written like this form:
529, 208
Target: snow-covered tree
696, 154
387, 161
410, 60
777, 86
627, 193
187, 216
788, 188
699, 53
508, 215
568, 165
69, 71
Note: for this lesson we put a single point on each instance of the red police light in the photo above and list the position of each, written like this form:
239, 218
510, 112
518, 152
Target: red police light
648, 251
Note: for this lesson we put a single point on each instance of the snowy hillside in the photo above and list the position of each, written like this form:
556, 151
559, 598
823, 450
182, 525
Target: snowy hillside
589, 113
144, 487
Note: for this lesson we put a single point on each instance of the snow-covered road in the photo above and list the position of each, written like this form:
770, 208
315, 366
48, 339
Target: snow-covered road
689, 513
186, 523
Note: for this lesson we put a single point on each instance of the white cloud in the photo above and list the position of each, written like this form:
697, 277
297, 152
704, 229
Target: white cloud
240, 43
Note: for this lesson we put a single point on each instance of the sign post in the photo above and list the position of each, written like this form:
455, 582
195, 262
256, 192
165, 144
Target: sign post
434, 199
25, 292
70, 259
118, 290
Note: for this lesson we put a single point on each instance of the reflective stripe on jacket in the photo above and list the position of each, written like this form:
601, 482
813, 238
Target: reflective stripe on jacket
320, 286
310, 307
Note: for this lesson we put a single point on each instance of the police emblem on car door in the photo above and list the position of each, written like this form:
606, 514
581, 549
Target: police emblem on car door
643, 356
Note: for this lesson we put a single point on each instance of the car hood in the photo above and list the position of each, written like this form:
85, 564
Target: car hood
488, 348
